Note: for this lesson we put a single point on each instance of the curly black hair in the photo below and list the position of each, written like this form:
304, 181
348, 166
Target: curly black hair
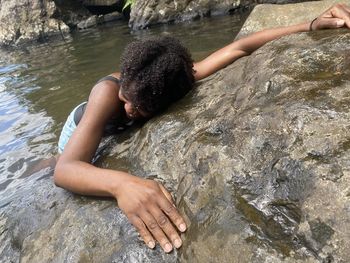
156, 72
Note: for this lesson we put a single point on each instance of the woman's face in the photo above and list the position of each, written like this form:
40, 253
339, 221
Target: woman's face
132, 111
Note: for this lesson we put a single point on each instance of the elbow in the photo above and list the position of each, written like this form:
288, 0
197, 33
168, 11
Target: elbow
58, 174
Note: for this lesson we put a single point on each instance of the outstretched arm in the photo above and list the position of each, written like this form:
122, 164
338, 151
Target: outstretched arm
146, 203
335, 17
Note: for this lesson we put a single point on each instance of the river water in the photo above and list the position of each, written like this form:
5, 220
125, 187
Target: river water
39, 86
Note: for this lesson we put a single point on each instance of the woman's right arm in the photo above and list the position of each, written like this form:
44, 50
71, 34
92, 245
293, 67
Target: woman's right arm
146, 203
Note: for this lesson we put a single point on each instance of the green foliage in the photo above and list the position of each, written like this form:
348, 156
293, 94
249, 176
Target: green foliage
128, 3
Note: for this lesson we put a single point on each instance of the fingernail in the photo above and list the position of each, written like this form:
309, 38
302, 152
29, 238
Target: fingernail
182, 227
168, 248
177, 243
151, 244
340, 22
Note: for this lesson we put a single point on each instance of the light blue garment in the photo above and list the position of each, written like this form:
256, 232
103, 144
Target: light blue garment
67, 130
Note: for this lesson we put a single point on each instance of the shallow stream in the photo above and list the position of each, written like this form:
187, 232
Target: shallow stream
40, 84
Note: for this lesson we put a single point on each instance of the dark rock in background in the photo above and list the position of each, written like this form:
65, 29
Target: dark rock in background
27, 21
148, 12
102, 7
71, 12
21, 21
24, 21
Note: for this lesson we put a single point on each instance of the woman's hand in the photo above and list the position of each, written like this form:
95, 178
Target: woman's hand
149, 207
335, 17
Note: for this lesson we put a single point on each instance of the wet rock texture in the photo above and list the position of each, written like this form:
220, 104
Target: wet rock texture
269, 16
22, 20
257, 158
258, 155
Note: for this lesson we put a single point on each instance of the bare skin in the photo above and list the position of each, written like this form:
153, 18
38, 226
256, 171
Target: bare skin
146, 203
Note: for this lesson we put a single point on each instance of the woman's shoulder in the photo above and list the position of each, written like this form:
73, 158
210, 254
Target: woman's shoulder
114, 77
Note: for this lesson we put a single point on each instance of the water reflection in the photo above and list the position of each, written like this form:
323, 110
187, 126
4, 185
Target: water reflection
39, 86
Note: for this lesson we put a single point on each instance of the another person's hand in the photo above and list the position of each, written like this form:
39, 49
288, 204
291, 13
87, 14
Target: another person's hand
149, 207
335, 17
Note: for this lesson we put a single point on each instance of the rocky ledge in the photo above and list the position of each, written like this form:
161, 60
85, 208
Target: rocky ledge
145, 13
24, 21
257, 157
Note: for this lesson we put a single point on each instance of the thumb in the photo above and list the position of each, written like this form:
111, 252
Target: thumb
331, 23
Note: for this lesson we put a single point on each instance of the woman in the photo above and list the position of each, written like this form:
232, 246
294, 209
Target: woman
154, 73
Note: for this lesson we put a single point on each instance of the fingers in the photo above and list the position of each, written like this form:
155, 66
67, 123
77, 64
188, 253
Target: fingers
149, 207
173, 214
330, 23
335, 17
166, 225
143, 231
157, 224
342, 12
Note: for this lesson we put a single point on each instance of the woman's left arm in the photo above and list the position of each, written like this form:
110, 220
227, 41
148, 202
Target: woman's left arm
335, 17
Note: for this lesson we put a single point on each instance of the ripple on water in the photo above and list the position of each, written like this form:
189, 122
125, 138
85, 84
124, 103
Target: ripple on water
24, 133
39, 86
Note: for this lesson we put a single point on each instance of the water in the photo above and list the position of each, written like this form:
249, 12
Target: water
40, 85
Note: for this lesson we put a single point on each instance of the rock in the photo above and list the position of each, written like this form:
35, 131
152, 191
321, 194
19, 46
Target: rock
103, 6
269, 16
95, 20
113, 17
256, 156
148, 12
90, 22
71, 12
100, 2
30, 20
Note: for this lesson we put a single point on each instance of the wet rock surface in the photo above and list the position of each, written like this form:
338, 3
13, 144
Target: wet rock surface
268, 15
21, 21
257, 158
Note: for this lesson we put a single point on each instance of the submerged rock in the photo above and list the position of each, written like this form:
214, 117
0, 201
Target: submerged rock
96, 20
257, 157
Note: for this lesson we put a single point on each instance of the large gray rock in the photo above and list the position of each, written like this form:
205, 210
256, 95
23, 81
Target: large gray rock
257, 157
269, 16
22, 20
71, 12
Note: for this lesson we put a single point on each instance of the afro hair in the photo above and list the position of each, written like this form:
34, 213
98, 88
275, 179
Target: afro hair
156, 72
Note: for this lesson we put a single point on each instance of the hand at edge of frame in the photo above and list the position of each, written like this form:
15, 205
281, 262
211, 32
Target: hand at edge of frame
150, 208
336, 16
